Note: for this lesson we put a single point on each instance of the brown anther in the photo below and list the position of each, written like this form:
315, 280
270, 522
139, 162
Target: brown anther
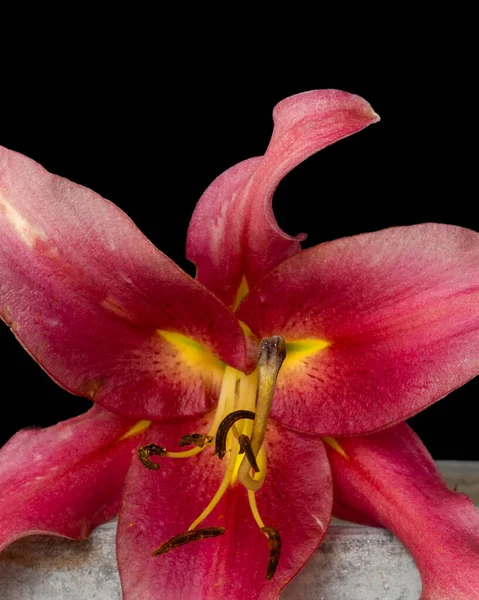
225, 426
274, 545
188, 536
145, 452
245, 447
196, 439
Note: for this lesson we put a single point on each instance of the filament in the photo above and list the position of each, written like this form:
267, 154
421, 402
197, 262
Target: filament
222, 489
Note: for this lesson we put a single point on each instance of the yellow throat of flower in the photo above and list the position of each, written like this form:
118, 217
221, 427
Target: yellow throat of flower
237, 432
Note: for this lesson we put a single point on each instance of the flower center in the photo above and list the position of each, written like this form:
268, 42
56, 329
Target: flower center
237, 432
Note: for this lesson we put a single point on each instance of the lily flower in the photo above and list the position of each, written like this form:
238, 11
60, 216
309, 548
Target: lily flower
257, 367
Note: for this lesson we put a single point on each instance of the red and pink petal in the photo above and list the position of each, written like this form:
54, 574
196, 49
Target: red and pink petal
66, 479
87, 294
386, 322
233, 232
390, 478
296, 499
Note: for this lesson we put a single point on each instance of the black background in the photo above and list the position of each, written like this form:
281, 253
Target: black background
150, 130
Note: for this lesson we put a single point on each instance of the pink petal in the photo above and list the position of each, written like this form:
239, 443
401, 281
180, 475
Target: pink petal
233, 231
391, 478
296, 499
399, 308
86, 293
66, 479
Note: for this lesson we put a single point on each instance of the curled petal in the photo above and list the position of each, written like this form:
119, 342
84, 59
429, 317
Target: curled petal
95, 303
66, 479
233, 232
386, 323
295, 499
390, 478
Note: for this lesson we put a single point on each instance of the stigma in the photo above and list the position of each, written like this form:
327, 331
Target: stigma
237, 434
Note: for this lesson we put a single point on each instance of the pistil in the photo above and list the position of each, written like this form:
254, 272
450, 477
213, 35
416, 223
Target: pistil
272, 352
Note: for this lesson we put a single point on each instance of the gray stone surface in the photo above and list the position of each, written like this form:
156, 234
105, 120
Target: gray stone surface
353, 563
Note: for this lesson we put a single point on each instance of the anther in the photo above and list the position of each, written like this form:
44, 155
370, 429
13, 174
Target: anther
245, 448
274, 545
145, 452
225, 426
188, 536
196, 439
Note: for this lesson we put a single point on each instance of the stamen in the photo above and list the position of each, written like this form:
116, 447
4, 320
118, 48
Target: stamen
225, 400
254, 509
225, 426
196, 439
245, 448
272, 352
237, 394
274, 539
274, 545
223, 486
152, 449
188, 536
145, 452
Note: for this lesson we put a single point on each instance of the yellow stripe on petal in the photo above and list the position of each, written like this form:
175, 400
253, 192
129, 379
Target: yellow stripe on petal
191, 351
335, 446
246, 329
298, 350
139, 427
25, 230
241, 293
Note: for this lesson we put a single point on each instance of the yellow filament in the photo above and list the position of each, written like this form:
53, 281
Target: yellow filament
248, 386
229, 386
226, 399
254, 509
222, 489
187, 453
